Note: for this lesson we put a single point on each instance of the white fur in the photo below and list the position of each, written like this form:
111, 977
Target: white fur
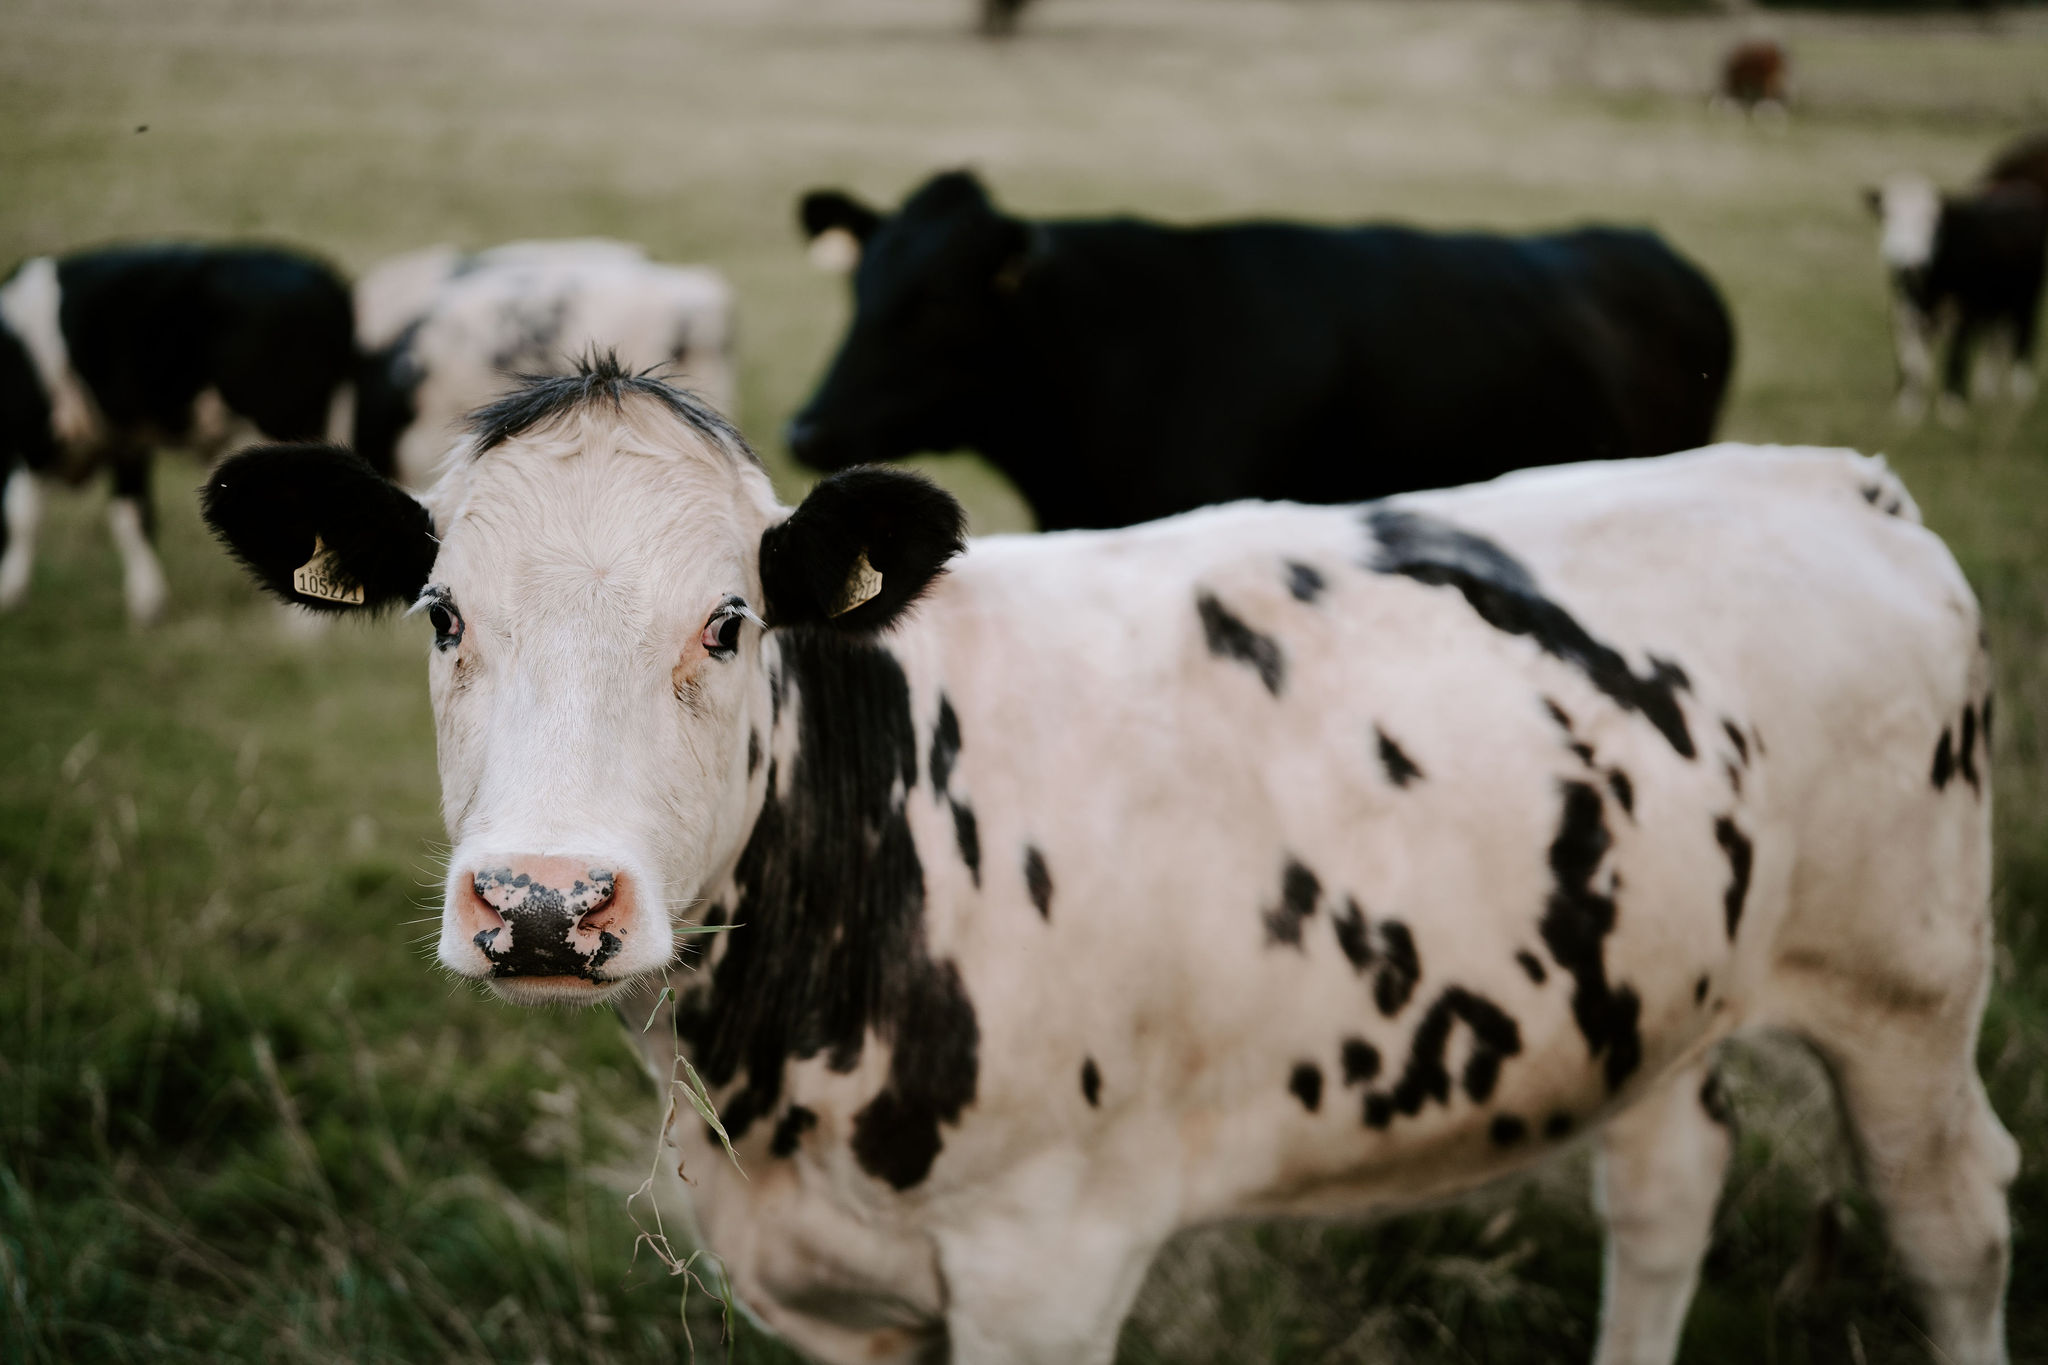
1166, 786
142, 577
592, 292
23, 508
29, 307
1909, 210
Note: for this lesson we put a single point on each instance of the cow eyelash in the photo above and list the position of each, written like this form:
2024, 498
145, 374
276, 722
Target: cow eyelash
721, 637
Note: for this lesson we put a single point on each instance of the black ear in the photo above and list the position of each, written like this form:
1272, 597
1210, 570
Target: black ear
821, 211
860, 549
269, 505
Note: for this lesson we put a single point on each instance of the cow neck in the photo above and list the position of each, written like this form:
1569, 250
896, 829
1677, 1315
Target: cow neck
827, 899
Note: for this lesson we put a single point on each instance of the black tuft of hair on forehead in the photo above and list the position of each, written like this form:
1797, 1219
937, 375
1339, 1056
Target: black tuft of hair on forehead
597, 378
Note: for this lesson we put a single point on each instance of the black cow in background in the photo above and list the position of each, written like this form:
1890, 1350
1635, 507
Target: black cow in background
107, 354
1119, 370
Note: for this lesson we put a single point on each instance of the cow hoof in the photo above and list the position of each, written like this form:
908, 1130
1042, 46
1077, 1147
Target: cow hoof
146, 593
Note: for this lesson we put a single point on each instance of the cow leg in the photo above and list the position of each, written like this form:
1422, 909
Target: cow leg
1939, 1162
1913, 335
21, 512
1955, 380
2020, 380
1661, 1164
132, 519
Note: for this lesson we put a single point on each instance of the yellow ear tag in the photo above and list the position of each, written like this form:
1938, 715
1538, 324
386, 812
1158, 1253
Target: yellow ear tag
321, 577
861, 585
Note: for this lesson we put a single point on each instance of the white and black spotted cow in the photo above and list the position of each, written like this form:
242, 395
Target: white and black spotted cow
107, 354
443, 331
1269, 860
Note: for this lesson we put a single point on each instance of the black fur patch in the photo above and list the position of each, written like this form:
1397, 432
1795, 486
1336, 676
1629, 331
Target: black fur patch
1699, 991
1298, 891
1304, 581
1231, 638
1624, 791
1495, 1037
1038, 881
1505, 595
1305, 1083
1401, 769
1714, 1100
1353, 937
1091, 1083
1944, 759
945, 746
967, 834
1966, 750
1507, 1130
1400, 968
1557, 1126
790, 1130
1361, 1061
1736, 737
753, 752
598, 378
1533, 965
268, 504
1379, 1110
907, 526
831, 896
1735, 844
1575, 926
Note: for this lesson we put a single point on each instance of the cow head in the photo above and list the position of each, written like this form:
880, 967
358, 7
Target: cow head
1908, 212
934, 293
598, 568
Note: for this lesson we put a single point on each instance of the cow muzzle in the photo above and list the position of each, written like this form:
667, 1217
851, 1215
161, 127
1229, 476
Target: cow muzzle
550, 928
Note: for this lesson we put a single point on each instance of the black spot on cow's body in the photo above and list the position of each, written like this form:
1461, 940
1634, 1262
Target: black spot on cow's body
1379, 1110
1231, 638
1426, 1076
753, 752
1401, 769
790, 1130
1966, 750
1699, 991
1557, 1126
1353, 935
1507, 1130
1091, 1083
1558, 714
1737, 738
1582, 751
1400, 967
1532, 965
1361, 1061
1305, 581
1298, 892
1734, 775
1575, 926
1038, 881
1624, 791
1714, 1100
1305, 1083
1741, 857
967, 834
1506, 596
1944, 759
945, 747
831, 892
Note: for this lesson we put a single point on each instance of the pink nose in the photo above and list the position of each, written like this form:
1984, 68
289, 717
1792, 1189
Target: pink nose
545, 917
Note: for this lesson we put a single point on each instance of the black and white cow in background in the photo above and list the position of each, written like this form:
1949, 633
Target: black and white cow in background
1970, 267
1119, 370
443, 331
107, 354
1269, 860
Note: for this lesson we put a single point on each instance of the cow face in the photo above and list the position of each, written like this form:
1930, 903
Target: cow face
934, 291
597, 572
1908, 212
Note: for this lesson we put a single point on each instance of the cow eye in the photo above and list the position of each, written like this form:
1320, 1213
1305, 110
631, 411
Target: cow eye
447, 621
722, 634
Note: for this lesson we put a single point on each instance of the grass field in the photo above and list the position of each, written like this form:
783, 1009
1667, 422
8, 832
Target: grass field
241, 1119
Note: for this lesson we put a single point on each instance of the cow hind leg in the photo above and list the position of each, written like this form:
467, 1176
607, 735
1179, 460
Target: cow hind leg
1661, 1164
21, 512
1938, 1162
132, 519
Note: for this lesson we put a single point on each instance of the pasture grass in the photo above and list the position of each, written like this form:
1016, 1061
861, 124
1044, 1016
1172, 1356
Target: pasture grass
241, 1116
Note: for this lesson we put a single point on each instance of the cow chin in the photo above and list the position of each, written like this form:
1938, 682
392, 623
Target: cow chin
571, 991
